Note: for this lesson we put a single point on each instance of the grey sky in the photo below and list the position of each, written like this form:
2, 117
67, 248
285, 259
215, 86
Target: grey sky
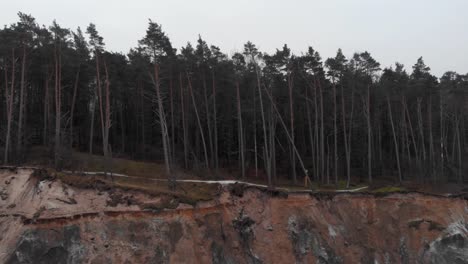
391, 30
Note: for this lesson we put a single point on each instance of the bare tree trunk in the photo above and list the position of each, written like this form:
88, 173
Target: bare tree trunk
91, 128
442, 139
163, 123
350, 134
317, 138
72, 111
306, 174
311, 136
199, 122
46, 110
171, 95
291, 111
328, 159
255, 132
347, 135
184, 128
460, 163
208, 122
454, 139
122, 129
322, 133
58, 104
395, 141
415, 145
19, 142
421, 129
241, 131
406, 141
431, 140
271, 140
107, 113
335, 137
101, 110
215, 118
143, 119
267, 157
9, 103
369, 136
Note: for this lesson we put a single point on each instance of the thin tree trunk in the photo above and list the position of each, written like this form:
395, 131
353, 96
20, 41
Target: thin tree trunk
162, 122
72, 111
311, 136
317, 138
143, 119
395, 141
265, 138
306, 174
9, 103
208, 122
171, 95
271, 139
291, 111
101, 110
350, 134
335, 137
215, 119
431, 140
19, 142
415, 145
241, 131
255, 132
46, 110
442, 139
369, 136
322, 133
91, 128
58, 104
421, 129
107, 113
199, 122
122, 129
345, 137
185, 138
406, 141
460, 163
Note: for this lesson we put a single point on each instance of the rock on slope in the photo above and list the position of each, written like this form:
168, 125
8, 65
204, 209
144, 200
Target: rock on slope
46, 221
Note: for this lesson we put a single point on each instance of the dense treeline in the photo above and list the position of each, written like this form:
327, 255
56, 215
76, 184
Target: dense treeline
268, 115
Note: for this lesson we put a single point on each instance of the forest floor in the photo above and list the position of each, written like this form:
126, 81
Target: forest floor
93, 171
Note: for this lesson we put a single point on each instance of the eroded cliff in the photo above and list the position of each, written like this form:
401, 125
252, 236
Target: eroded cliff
46, 221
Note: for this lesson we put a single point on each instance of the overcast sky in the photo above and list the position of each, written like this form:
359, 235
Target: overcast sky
391, 30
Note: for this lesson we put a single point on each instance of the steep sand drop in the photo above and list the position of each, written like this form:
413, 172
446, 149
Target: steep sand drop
43, 220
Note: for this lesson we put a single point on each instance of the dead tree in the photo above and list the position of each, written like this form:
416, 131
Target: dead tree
72, 110
19, 142
215, 124
306, 173
395, 141
184, 123
291, 111
9, 95
240, 131
198, 121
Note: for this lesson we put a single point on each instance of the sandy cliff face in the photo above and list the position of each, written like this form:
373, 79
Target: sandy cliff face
44, 221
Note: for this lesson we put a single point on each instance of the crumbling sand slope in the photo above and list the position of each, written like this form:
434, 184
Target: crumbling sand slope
45, 221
